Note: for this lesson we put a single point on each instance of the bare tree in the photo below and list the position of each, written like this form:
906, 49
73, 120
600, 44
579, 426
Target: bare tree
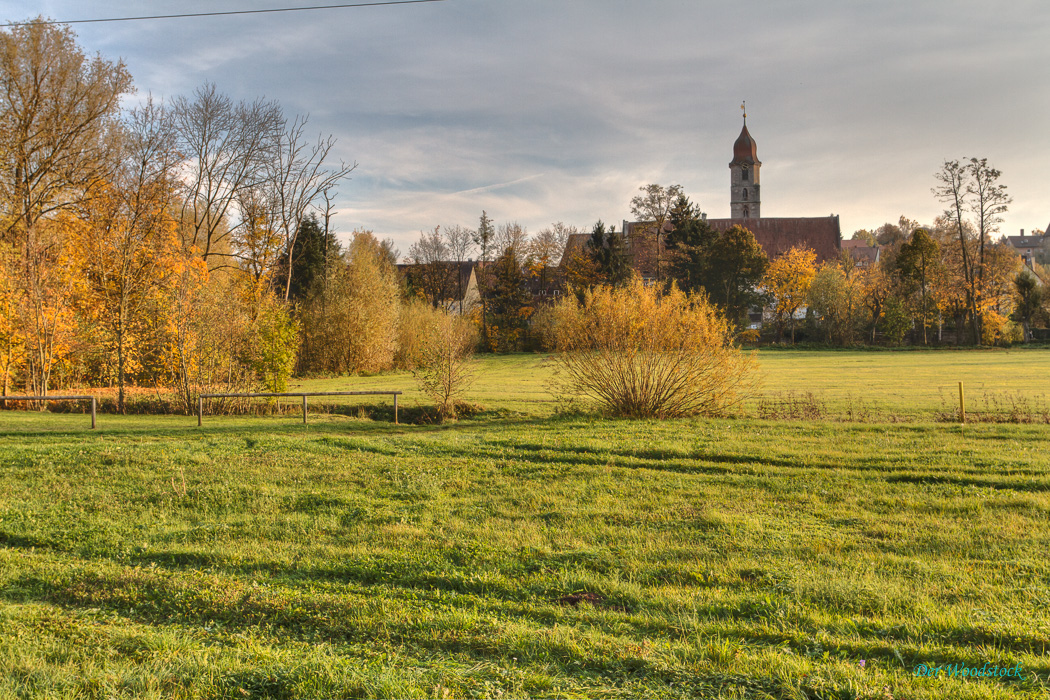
226, 146
431, 273
297, 176
511, 236
653, 209
460, 243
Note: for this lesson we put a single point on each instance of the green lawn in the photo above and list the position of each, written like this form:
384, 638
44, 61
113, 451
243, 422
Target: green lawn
886, 385
516, 555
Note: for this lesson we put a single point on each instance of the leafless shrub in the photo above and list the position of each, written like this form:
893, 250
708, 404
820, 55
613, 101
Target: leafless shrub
638, 352
998, 407
793, 406
442, 348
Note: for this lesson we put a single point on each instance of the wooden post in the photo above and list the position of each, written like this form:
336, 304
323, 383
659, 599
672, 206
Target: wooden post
304, 409
962, 404
93, 407
395, 409
200, 410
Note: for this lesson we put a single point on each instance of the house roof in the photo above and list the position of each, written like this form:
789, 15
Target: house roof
861, 251
465, 269
1026, 241
779, 235
575, 243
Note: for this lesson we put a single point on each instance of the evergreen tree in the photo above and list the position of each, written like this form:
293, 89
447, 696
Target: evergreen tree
483, 239
728, 265
510, 302
610, 254
308, 259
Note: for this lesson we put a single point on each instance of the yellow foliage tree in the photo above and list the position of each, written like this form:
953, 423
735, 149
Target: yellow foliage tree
787, 283
127, 241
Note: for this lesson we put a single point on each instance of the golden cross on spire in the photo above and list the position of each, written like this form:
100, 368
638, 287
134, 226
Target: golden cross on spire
743, 106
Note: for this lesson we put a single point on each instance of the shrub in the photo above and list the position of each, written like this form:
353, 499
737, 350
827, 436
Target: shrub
351, 322
442, 349
414, 325
641, 353
275, 343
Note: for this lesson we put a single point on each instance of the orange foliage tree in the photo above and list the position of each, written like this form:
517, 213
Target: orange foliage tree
787, 283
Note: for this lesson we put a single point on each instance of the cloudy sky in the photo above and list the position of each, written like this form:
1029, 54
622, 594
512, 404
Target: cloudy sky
558, 110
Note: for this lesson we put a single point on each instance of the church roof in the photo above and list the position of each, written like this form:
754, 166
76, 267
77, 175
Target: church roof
779, 235
745, 150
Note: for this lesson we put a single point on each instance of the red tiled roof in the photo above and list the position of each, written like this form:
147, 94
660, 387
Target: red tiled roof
779, 235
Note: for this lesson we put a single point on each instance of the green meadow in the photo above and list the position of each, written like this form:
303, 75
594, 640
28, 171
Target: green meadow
530, 552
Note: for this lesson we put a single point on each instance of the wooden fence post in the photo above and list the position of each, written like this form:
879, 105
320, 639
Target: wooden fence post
200, 410
962, 404
304, 409
93, 407
395, 409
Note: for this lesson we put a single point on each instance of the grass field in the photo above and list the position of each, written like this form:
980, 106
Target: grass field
521, 555
887, 385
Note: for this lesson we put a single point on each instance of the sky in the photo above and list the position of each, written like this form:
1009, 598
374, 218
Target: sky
539, 111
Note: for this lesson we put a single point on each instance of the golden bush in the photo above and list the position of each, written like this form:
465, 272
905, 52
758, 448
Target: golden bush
638, 352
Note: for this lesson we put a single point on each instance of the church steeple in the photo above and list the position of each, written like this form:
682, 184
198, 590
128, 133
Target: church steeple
744, 200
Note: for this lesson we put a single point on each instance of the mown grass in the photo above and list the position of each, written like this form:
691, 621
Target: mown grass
518, 555
903, 385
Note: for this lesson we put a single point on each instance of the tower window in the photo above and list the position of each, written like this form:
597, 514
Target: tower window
745, 194
747, 212
743, 175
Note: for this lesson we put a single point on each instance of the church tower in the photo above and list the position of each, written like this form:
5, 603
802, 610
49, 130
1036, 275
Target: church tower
744, 201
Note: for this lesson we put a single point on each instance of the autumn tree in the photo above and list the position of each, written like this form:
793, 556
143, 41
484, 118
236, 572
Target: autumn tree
354, 326
976, 202
257, 245
545, 251
878, 289
126, 241
12, 342
787, 285
836, 296
58, 109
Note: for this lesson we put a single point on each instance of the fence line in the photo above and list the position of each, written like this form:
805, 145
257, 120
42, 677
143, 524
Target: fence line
200, 399
92, 399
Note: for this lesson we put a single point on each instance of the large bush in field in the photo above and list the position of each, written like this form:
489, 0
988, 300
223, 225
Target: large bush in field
639, 352
350, 323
